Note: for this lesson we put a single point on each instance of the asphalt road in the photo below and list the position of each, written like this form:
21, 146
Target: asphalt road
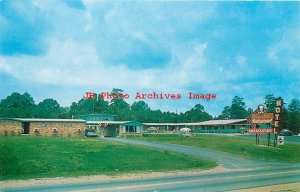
243, 173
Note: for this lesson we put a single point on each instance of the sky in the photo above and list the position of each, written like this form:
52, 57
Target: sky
62, 49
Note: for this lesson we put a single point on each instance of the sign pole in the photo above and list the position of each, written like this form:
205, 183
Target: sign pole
256, 139
268, 140
277, 119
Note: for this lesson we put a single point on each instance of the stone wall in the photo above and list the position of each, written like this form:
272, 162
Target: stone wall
61, 129
9, 127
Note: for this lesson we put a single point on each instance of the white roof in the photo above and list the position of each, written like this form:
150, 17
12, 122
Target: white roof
157, 124
108, 122
218, 122
48, 120
210, 122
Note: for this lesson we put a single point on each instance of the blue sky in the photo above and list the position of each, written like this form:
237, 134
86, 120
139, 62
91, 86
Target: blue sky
61, 49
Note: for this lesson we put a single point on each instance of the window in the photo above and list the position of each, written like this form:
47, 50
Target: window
46, 125
130, 129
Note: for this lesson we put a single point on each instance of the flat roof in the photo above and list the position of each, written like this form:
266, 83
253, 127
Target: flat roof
108, 122
210, 122
111, 122
204, 123
44, 120
96, 114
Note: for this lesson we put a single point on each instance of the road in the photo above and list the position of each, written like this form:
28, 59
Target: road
225, 159
242, 173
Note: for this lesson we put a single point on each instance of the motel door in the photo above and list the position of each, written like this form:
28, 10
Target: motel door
112, 132
26, 127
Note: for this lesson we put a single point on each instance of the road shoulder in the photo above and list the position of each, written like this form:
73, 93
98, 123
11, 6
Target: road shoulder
105, 178
290, 187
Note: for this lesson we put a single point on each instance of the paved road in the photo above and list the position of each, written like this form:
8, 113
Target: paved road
222, 181
238, 176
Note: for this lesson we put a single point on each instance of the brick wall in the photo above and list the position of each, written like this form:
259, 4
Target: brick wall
9, 127
63, 129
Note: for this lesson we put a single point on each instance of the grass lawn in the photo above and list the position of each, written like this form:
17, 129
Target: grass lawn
24, 157
234, 145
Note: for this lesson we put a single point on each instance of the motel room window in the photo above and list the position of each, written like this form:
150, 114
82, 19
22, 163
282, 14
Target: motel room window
130, 129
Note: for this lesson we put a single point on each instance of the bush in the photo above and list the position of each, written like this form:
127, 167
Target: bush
37, 133
13, 133
54, 134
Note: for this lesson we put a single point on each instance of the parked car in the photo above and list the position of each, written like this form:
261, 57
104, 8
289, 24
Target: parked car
285, 132
91, 134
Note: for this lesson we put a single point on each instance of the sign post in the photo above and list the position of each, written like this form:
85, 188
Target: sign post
258, 117
280, 140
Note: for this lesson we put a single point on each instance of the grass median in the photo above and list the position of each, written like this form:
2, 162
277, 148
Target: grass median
25, 157
233, 145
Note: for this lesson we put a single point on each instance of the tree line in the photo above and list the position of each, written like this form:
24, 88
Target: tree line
23, 106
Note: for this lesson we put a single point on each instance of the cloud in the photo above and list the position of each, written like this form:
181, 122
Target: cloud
23, 28
4, 67
147, 46
285, 52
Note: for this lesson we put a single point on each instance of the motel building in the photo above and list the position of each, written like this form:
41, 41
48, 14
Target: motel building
211, 126
105, 125
42, 127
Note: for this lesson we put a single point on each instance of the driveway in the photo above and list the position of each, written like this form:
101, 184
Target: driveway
225, 159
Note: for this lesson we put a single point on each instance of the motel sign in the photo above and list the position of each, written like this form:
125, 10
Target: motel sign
259, 116
278, 110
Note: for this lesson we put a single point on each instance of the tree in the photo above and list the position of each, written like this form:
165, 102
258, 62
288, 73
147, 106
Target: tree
270, 103
226, 114
88, 106
293, 116
294, 106
17, 105
197, 114
238, 108
118, 106
49, 108
140, 111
